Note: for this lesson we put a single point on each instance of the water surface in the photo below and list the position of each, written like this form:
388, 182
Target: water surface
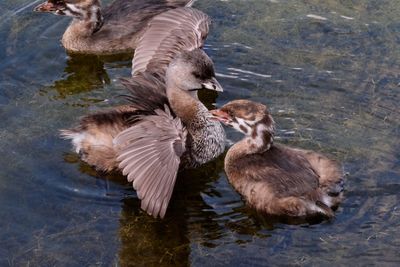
328, 70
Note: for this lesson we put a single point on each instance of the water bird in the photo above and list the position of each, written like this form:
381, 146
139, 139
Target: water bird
274, 178
164, 127
116, 28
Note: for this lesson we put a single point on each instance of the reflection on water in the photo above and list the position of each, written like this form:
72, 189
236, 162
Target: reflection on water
83, 73
328, 70
86, 72
149, 242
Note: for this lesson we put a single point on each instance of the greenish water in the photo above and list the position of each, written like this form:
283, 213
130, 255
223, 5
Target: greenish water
329, 71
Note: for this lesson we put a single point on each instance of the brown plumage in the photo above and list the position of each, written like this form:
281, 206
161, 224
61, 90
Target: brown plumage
165, 127
116, 28
93, 138
274, 178
168, 34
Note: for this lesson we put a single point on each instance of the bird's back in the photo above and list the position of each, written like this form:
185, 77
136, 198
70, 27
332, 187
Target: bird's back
285, 173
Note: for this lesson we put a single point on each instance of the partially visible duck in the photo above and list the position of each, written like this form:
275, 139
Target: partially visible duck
274, 178
164, 128
114, 29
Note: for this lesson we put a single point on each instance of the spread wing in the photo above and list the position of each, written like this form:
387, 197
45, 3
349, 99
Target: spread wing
167, 35
123, 19
178, 3
149, 153
120, 10
146, 92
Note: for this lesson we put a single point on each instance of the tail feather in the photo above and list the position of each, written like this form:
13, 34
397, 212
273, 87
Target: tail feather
76, 136
68, 133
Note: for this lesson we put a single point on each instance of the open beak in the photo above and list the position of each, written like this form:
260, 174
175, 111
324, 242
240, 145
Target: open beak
220, 115
213, 85
46, 7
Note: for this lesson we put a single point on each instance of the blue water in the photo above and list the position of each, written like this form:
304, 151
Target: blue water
329, 72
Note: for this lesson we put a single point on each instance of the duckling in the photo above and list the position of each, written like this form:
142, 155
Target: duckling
114, 29
163, 129
274, 178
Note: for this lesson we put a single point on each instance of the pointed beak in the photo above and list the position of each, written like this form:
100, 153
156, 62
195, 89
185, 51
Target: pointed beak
213, 85
45, 7
220, 115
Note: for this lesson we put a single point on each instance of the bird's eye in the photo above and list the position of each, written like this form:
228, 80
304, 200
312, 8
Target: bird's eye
196, 75
58, 2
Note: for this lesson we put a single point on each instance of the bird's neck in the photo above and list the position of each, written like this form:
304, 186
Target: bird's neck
207, 137
88, 23
185, 104
258, 141
261, 138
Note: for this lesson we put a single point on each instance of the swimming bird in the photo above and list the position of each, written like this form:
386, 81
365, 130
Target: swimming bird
116, 28
164, 127
274, 178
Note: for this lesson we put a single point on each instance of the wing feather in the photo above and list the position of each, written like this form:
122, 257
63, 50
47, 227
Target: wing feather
148, 155
181, 29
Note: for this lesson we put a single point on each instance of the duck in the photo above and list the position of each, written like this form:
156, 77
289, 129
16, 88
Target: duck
114, 29
164, 127
274, 178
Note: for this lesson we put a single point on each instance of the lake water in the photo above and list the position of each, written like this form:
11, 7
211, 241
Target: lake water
330, 73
